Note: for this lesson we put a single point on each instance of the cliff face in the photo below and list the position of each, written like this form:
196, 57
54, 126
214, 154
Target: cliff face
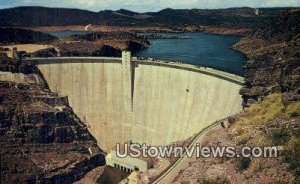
274, 60
41, 139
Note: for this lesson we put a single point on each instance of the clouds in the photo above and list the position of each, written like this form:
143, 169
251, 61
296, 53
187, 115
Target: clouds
148, 5
281, 3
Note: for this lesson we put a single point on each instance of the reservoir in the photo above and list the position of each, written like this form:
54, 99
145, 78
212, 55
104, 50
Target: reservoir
208, 50
203, 49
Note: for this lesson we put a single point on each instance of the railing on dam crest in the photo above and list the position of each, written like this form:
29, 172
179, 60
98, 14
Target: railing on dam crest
177, 65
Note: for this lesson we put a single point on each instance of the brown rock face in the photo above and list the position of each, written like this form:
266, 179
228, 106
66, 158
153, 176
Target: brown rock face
87, 49
41, 138
274, 71
274, 61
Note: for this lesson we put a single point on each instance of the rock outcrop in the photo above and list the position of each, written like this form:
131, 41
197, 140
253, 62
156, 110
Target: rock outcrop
86, 48
103, 44
41, 138
48, 52
274, 61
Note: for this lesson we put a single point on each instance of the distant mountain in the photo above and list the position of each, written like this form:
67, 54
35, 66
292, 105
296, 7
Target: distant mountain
126, 12
35, 16
42, 16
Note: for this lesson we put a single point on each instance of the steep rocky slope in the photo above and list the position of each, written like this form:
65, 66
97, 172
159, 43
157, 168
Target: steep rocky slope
41, 139
273, 66
266, 123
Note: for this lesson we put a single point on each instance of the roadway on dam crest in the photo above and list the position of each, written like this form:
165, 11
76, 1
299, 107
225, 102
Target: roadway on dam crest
150, 102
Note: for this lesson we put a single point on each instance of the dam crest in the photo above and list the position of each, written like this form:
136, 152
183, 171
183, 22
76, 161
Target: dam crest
152, 102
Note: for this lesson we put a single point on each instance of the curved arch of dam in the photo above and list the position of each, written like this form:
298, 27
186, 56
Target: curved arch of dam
156, 103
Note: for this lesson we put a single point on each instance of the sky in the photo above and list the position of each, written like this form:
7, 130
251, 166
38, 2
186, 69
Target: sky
149, 5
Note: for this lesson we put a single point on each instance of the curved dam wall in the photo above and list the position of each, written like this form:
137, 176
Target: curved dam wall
147, 102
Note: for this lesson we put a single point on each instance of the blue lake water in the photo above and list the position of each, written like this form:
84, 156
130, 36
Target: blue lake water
201, 49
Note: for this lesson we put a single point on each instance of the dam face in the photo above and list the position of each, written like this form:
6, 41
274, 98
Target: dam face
147, 102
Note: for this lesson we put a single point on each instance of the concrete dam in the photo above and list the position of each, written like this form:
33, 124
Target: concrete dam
150, 102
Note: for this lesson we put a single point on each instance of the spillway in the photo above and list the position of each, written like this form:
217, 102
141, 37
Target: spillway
157, 103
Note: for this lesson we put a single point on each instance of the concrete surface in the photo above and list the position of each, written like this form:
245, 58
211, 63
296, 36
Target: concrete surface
168, 103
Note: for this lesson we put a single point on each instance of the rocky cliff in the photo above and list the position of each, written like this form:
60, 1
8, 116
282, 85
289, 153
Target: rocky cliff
273, 65
41, 139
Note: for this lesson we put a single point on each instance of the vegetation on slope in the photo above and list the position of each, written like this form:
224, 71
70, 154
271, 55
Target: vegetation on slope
271, 116
274, 54
278, 126
265, 123
42, 16
16, 35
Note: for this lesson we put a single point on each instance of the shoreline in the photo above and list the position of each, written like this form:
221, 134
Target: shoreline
112, 45
218, 30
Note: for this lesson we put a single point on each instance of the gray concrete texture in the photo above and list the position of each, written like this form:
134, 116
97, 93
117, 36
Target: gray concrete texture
151, 102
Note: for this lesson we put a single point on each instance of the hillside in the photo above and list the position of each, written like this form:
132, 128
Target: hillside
285, 28
41, 16
15, 35
265, 124
93, 44
273, 65
41, 138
